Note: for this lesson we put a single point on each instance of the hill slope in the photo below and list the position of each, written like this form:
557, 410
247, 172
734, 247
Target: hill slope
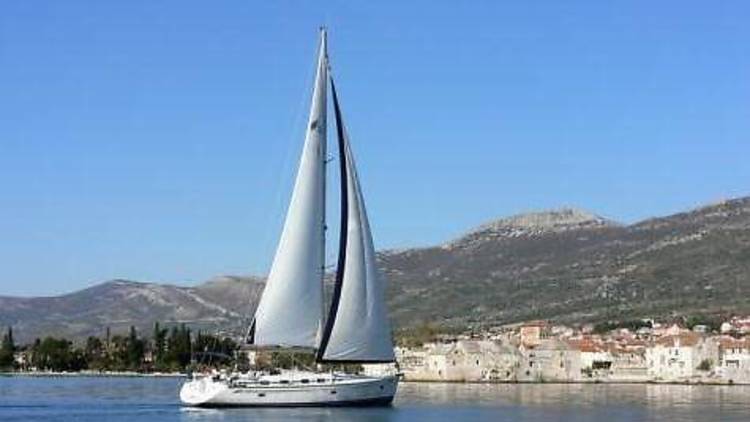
566, 265
572, 266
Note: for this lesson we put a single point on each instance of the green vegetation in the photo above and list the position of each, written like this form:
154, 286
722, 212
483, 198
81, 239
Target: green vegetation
712, 322
632, 325
705, 365
417, 335
56, 355
168, 350
7, 349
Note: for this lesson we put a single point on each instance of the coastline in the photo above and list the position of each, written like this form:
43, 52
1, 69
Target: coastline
94, 374
584, 382
128, 374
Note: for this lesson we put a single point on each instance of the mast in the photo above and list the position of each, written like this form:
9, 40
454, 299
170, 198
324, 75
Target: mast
290, 310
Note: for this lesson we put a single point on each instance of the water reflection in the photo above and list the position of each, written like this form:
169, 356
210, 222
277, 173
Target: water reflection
126, 399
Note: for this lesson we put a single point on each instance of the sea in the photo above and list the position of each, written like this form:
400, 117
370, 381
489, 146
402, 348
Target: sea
25, 398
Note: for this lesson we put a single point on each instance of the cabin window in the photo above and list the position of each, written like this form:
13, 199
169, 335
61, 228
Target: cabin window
264, 382
333, 391
261, 394
284, 382
320, 380
305, 381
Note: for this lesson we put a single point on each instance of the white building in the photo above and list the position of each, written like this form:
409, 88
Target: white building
682, 357
734, 360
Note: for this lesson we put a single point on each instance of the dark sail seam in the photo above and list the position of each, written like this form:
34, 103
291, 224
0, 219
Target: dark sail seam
343, 235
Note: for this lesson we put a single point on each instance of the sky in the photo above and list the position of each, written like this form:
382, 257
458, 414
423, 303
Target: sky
158, 140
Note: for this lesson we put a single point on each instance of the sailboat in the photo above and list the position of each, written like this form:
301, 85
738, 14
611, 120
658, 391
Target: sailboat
291, 312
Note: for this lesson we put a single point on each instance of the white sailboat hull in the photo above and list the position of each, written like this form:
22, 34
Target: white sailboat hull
347, 390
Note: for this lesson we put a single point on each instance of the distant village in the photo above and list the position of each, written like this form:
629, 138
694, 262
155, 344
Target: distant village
640, 351
539, 351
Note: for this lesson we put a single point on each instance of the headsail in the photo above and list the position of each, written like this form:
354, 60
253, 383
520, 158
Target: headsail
291, 307
357, 329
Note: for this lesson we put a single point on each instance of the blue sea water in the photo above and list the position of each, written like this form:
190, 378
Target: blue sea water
155, 399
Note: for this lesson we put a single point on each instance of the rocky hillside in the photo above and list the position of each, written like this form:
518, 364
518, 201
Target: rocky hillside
570, 265
118, 304
566, 265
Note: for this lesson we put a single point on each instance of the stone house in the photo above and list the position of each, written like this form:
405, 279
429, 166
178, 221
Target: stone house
464, 360
629, 362
682, 357
734, 360
595, 358
551, 360
532, 333
411, 360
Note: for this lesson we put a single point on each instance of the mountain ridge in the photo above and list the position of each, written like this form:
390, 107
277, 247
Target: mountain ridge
565, 264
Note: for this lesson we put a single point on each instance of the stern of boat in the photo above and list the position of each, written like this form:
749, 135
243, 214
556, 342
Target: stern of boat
201, 391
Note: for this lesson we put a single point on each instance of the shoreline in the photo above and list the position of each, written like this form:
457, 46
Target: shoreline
94, 374
128, 374
582, 382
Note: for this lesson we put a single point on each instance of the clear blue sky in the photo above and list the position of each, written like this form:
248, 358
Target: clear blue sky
157, 140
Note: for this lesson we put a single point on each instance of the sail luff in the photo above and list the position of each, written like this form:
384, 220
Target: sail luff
357, 329
290, 310
343, 227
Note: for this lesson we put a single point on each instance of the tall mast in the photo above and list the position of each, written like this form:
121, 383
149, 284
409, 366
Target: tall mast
325, 62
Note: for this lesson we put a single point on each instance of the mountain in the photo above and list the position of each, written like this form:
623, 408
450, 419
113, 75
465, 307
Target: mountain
568, 265
118, 304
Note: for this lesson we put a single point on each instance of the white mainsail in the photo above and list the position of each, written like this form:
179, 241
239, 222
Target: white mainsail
290, 311
358, 329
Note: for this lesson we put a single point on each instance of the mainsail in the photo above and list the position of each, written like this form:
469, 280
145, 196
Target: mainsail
290, 311
357, 329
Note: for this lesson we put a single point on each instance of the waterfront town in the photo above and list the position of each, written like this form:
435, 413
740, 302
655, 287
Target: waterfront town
539, 351
639, 351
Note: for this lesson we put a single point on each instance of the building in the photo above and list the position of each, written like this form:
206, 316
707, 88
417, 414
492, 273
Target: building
734, 360
629, 363
532, 333
682, 357
595, 357
464, 360
550, 360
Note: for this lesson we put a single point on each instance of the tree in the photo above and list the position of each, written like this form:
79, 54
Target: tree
95, 354
178, 353
213, 349
57, 355
7, 349
135, 350
705, 365
158, 348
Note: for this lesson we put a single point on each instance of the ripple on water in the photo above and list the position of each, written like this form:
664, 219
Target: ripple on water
155, 399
